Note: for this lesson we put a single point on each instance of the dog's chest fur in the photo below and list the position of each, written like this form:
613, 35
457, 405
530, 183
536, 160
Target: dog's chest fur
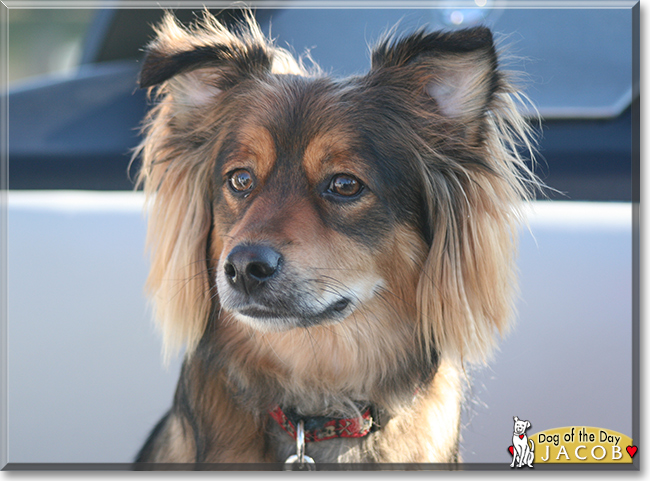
424, 429
420, 428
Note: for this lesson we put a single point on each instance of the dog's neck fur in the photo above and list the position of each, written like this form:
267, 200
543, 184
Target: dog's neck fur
220, 380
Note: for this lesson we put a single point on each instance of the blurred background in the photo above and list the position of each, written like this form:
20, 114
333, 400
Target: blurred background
575, 64
85, 378
46, 41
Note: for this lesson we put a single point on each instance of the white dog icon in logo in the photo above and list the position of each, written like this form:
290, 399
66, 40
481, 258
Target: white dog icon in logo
521, 452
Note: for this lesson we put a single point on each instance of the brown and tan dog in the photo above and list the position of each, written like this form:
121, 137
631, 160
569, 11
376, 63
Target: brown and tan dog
329, 252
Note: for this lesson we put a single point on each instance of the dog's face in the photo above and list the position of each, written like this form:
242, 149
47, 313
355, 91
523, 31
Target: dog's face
308, 213
521, 426
283, 200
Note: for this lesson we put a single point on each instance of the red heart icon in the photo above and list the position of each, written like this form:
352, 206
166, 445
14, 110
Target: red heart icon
511, 449
521, 436
631, 450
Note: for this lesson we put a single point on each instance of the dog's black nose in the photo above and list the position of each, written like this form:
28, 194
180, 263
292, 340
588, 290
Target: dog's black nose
249, 266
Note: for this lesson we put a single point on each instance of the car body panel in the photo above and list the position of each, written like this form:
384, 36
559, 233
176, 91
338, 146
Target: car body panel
85, 372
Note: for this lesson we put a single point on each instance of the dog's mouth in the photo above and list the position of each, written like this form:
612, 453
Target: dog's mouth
281, 316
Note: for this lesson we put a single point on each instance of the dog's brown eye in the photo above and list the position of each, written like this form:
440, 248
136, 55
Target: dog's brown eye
241, 180
345, 185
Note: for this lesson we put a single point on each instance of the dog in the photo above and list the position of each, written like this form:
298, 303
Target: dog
330, 253
523, 453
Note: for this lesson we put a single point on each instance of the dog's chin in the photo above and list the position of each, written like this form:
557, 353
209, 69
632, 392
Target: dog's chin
268, 319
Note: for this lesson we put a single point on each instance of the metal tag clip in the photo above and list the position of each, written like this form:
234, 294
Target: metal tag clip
300, 461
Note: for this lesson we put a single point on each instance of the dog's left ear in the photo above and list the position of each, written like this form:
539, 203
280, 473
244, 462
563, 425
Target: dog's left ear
465, 125
458, 70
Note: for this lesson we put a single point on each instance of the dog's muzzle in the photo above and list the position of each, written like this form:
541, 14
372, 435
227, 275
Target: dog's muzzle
258, 286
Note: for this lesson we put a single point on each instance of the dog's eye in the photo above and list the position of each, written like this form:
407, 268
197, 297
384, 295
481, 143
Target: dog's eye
345, 185
241, 180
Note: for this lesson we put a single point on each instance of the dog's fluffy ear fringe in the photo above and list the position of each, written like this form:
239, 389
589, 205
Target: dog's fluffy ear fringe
467, 286
189, 68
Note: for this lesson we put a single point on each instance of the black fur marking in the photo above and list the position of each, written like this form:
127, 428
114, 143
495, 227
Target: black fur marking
144, 456
160, 66
398, 53
184, 409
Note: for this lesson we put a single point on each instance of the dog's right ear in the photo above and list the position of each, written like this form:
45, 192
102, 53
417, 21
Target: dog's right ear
194, 65
516, 418
200, 62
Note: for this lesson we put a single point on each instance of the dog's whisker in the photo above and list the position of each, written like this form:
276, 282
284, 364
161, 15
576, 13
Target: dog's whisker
311, 340
270, 346
348, 269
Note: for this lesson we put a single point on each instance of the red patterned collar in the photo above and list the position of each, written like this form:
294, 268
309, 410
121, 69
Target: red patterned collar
321, 428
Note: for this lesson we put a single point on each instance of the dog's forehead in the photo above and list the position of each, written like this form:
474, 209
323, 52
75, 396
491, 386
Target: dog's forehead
294, 120
297, 109
296, 133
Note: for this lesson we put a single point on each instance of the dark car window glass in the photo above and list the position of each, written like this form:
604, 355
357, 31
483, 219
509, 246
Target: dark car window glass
577, 62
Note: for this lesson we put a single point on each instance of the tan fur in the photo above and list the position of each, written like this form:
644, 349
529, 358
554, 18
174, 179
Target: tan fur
466, 289
428, 291
178, 230
436, 410
177, 446
329, 154
260, 154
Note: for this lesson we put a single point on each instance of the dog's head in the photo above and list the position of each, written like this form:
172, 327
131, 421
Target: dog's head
521, 426
281, 199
